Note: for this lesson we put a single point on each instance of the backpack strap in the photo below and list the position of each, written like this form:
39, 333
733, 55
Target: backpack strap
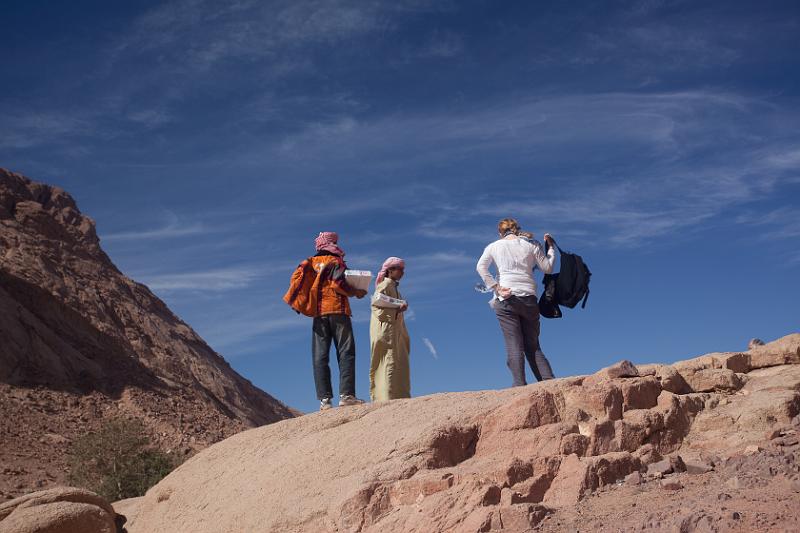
585, 297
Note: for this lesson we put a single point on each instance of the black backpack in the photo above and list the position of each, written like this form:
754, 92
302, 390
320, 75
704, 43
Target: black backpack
568, 287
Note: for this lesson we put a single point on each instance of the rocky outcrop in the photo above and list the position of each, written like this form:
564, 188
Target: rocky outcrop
507, 460
80, 342
59, 510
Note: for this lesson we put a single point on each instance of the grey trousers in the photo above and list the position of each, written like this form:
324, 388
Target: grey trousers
519, 321
339, 329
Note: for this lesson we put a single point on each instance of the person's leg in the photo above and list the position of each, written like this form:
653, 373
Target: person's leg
320, 350
529, 319
512, 335
543, 365
345, 353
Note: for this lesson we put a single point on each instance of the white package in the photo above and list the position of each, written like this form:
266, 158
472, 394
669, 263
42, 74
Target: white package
358, 279
381, 300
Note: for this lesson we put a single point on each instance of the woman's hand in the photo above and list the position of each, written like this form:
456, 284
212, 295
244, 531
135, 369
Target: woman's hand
503, 292
403, 307
549, 239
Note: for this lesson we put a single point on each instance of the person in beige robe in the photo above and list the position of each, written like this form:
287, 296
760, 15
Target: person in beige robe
389, 373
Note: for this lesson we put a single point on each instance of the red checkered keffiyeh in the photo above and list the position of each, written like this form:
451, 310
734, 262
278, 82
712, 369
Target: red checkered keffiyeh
327, 241
392, 262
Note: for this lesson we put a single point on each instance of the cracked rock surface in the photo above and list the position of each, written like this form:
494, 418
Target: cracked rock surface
659, 447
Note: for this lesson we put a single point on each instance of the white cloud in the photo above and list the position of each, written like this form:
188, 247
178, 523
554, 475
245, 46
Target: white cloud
196, 35
443, 45
668, 124
174, 226
778, 224
444, 259
25, 130
237, 328
150, 118
165, 232
431, 347
789, 159
210, 280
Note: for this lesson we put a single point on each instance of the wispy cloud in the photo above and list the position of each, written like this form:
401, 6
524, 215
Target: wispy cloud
249, 324
443, 45
166, 232
425, 272
662, 123
26, 130
670, 186
431, 347
789, 159
444, 259
174, 227
778, 224
150, 118
198, 34
224, 279
680, 196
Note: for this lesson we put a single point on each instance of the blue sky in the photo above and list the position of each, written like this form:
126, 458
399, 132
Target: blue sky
211, 141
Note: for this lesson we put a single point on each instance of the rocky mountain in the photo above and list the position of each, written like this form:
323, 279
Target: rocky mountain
80, 342
707, 444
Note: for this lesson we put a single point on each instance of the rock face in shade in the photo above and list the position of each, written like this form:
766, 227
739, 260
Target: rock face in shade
79, 342
562, 455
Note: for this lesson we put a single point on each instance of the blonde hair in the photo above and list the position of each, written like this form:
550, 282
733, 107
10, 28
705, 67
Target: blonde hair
508, 225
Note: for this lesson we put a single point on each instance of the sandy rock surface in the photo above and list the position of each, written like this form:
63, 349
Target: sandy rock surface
80, 342
596, 453
59, 510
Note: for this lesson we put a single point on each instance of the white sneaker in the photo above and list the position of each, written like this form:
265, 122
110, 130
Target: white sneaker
325, 404
349, 399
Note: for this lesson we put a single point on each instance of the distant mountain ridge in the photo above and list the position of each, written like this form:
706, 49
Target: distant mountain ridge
79, 341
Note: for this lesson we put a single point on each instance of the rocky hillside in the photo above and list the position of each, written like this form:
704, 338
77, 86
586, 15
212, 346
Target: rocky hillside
707, 444
80, 342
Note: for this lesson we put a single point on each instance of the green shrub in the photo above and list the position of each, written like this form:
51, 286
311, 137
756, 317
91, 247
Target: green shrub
117, 461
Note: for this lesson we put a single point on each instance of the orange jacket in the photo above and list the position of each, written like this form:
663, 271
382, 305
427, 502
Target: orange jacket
334, 290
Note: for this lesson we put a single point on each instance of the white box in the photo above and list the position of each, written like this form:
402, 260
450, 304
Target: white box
358, 279
381, 300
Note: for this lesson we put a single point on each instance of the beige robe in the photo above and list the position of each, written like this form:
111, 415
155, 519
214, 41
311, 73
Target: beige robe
389, 375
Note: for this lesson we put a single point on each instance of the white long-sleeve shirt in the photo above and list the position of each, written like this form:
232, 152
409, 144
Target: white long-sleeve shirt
515, 259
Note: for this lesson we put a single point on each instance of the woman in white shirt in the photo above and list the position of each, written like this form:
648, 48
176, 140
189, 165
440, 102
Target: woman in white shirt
515, 302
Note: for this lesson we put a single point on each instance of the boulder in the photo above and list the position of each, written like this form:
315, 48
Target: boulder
620, 369
59, 510
713, 379
640, 393
672, 381
784, 351
598, 399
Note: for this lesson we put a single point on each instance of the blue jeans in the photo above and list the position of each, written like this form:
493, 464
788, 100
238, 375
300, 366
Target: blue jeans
339, 329
519, 321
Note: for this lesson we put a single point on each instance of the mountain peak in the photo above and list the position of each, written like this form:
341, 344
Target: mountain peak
87, 342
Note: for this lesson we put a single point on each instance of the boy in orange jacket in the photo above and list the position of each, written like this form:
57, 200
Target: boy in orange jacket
333, 323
